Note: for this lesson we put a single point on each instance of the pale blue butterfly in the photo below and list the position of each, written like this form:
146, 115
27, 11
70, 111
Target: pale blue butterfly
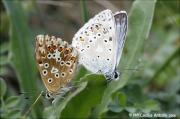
100, 42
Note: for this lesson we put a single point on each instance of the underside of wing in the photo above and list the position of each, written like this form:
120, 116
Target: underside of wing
56, 62
95, 42
121, 21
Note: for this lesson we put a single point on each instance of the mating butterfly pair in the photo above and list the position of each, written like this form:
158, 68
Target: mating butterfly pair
98, 46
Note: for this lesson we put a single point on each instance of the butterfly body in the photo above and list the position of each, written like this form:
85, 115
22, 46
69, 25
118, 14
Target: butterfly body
56, 61
98, 43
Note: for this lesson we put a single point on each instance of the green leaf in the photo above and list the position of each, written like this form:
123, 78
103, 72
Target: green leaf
122, 99
62, 104
147, 106
12, 101
139, 24
81, 105
118, 102
3, 60
4, 70
4, 47
151, 105
22, 50
14, 113
134, 93
48, 113
3, 87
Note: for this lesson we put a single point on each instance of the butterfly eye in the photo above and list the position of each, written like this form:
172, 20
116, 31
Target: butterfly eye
63, 74
49, 56
57, 75
46, 65
50, 80
62, 63
48, 96
44, 72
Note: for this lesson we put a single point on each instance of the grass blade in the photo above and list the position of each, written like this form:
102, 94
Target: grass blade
22, 49
84, 12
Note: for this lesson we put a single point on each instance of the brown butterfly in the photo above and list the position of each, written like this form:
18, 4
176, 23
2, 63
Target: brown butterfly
56, 61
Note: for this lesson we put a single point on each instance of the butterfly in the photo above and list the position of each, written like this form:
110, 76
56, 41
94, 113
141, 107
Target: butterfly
100, 42
56, 61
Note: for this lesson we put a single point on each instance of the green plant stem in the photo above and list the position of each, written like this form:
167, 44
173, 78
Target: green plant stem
84, 12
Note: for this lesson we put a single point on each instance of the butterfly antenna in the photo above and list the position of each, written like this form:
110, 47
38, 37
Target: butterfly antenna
131, 69
30, 108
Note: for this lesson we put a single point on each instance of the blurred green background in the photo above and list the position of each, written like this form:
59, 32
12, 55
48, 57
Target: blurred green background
150, 65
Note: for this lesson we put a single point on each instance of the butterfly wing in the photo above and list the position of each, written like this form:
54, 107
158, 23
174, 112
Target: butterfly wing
56, 61
121, 21
95, 41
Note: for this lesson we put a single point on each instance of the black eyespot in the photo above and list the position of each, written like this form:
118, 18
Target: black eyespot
62, 63
58, 59
94, 37
105, 40
54, 55
68, 63
99, 34
88, 46
109, 49
70, 71
85, 32
108, 59
62, 74
109, 27
82, 50
49, 55
44, 71
46, 65
50, 80
98, 56
90, 41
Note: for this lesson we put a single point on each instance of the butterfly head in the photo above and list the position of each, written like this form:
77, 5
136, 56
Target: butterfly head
56, 61
114, 76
